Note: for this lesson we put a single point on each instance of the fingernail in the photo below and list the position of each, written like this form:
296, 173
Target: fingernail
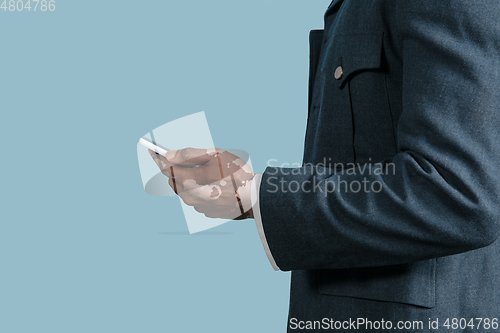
171, 154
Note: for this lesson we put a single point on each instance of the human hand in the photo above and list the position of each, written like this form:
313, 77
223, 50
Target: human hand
213, 181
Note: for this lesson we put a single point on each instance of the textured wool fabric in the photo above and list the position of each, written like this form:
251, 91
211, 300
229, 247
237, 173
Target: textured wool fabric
404, 101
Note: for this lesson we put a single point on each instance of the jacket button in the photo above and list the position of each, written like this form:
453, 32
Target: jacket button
339, 72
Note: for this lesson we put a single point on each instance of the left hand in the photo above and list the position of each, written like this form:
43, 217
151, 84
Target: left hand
213, 181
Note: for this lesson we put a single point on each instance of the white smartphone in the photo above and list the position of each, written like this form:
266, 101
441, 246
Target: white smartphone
153, 146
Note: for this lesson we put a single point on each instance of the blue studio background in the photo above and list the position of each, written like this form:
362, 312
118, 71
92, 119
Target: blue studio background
82, 247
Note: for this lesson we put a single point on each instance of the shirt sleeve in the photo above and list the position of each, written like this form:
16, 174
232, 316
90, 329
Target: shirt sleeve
258, 219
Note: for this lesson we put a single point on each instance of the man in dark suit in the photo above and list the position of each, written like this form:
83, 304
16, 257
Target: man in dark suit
392, 224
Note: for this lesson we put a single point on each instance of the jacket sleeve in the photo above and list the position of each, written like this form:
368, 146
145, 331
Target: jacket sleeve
439, 195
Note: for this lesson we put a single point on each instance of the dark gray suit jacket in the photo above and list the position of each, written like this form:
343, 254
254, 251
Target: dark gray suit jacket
414, 85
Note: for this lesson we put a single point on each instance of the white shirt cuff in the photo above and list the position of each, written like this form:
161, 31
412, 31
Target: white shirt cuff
258, 219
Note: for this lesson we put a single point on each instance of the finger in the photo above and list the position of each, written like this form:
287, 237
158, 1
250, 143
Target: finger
191, 156
200, 204
155, 158
162, 163
188, 199
209, 211
201, 175
212, 172
219, 213
203, 193
194, 194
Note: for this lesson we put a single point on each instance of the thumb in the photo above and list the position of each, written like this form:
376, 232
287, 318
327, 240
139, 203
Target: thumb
190, 156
